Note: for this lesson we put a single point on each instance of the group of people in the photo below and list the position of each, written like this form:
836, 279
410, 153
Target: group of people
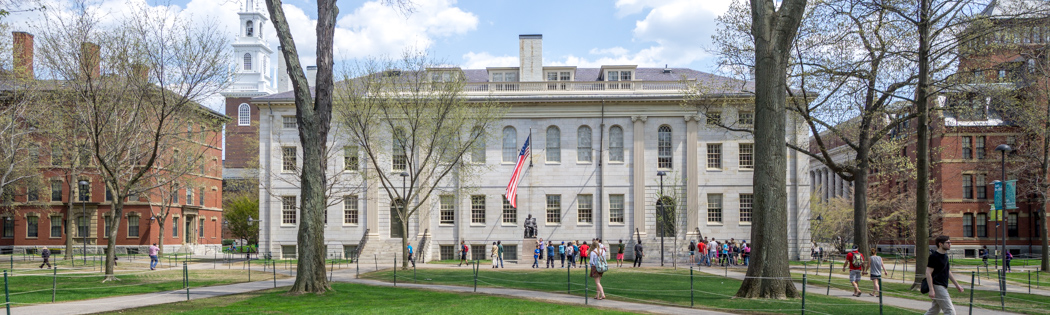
45, 254
983, 253
935, 284
731, 252
571, 254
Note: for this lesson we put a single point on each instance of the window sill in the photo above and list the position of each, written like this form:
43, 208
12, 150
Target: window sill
714, 223
477, 225
617, 224
552, 163
552, 224
350, 171
584, 162
714, 169
745, 223
509, 224
584, 223
287, 225
616, 163
746, 169
31, 238
446, 224
55, 237
287, 172
351, 225
132, 237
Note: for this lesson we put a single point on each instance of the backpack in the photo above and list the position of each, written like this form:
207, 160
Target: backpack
466, 249
600, 265
858, 260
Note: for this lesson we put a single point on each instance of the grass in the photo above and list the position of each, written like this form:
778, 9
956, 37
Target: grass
1015, 302
656, 286
356, 299
35, 286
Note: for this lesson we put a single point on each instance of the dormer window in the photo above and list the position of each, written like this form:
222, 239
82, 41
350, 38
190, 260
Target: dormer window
621, 76
505, 76
249, 29
558, 76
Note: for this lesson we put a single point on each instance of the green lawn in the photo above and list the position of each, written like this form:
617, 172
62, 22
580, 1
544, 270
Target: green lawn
356, 299
1015, 302
36, 286
657, 286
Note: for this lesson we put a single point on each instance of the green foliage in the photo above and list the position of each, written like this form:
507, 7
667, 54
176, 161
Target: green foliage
237, 212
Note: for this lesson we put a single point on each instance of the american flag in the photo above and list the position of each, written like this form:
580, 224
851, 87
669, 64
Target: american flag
512, 187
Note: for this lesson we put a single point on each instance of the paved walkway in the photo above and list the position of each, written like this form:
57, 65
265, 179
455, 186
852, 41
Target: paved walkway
886, 300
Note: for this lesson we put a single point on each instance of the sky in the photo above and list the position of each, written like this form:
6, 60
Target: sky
474, 34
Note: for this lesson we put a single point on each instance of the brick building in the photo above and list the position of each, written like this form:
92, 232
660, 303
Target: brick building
34, 217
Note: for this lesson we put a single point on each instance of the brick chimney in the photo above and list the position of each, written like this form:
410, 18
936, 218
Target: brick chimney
89, 63
23, 55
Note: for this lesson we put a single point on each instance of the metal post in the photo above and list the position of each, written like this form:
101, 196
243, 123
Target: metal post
1002, 290
331, 270
586, 291
414, 274
691, 286
249, 270
972, 276
7, 295
568, 278
377, 261
358, 261
475, 276
804, 294
54, 284
879, 279
274, 274
830, 265
1029, 282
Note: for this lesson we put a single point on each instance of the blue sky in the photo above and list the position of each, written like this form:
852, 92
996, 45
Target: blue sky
478, 34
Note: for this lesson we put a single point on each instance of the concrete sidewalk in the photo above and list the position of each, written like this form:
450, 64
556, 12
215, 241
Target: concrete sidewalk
886, 300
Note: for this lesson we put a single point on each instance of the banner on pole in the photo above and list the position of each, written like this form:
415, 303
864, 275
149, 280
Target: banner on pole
998, 195
1011, 194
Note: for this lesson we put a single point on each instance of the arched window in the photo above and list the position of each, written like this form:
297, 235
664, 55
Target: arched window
249, 29
583, 144
244, 115
553, 144
616, 144
247, 61
663, 144
510, 144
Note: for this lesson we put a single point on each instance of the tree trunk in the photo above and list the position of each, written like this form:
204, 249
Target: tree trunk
774, 31
922, 149
313, 116
111, 244
160, 235
70, 221
404, 245
860, 193
1045, 263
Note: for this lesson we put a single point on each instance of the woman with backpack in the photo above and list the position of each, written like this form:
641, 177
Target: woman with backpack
1006, 261
598, 267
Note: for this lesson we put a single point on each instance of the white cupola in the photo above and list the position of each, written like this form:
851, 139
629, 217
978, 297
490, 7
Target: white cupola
251, 53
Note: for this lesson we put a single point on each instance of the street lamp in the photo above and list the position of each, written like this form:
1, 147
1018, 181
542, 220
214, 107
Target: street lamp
1003, 148
660, 215
248, 254
83, 211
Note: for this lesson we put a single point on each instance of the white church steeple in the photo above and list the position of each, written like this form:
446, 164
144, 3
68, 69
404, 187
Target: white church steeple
251, 54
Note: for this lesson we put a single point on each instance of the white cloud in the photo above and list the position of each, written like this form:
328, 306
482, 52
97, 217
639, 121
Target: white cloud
483, 59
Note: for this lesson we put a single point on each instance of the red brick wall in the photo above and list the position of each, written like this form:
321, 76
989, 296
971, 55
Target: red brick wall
241, 141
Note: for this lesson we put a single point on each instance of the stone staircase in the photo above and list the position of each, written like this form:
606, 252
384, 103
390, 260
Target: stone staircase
385, 249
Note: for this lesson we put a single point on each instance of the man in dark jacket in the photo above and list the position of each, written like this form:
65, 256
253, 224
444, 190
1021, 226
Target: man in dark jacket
46, 255
638, 254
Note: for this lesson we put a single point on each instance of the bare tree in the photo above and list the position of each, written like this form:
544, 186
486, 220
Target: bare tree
180, 167
413, 115
156, 67
774, 30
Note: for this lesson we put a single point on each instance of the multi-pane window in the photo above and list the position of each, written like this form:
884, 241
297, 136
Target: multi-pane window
967, 181
558, 76
745, 118
981, 187
583, 144
616, 209
56, 226
477, 209
714, 155
32, 194
399, 156
1011, 225
968, 224
175, 227
448, 252
615, 144
32, 226
108, 223
982, 225
9, 227
247, 61
747, 156
714, 208
350, 162
553, 144
746, 207
967, 149
663, 144
510, 213
201, 197
585, 208
82, 226
200, 228
288, 159
84, 193
553, 208
477, 151
56, 155
979, 148
714, 118
133, 226
244, 115
350, 210
175, 195
56, 191
510, 145
447, 207
189, 195
109, 194
288, 210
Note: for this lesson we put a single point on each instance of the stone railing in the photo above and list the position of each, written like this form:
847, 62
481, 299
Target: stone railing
575, 86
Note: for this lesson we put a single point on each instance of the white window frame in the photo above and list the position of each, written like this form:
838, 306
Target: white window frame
553, 145
244, 115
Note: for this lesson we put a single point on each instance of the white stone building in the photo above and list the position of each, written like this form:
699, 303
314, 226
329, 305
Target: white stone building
599, 138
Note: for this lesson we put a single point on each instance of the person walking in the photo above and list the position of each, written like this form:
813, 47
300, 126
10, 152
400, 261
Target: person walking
875, 269
638, 254
495, 255
45, 254
500, 245
585, 250
692, 252
463, 250
561, 253
1006, 261
712, 251
550, 254
153, 259
855, 262
410, 257
984, 255
619, 254
598, 267
570, 254
938, 272
536, 257
747, 254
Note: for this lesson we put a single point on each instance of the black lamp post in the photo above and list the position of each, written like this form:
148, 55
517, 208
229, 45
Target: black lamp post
83, 210
819, 219
660, 215
1003, 148
248, 254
